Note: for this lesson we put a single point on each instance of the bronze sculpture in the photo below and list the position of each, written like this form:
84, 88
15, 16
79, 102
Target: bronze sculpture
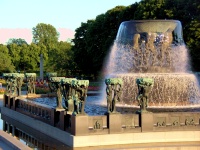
59, 96
56, 87
72, 91
31, 79
144, 88
80, 93
113, 91
14, 82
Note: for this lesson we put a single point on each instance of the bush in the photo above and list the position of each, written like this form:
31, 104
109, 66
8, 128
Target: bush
2, 81
94, 86
2, 90
42, 90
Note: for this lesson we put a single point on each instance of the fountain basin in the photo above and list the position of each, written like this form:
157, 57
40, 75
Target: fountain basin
169, 89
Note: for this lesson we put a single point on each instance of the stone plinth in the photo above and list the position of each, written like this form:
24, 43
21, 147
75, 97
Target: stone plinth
114, 123
146, 119
80, 125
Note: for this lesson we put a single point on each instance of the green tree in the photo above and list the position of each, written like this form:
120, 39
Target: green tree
193, 43
188, 14
93, 40
45, 34
150, 9
14, 51
128, 13
14, 45
5, 61
62, 60
29, 57
100, 37
17, 41
24, 58
80, 54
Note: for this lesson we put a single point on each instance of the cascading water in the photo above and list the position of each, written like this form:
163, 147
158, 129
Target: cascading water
155, 49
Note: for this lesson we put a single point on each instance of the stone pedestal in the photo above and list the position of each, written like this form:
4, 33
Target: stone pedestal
13, 130
79, 125
61, 116
13, 103
9, 101
114, 123
146, 120
4, 125
6, 100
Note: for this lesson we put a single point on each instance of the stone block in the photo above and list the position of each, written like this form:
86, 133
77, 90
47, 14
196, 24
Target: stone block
146, 120
114, 123
79, 125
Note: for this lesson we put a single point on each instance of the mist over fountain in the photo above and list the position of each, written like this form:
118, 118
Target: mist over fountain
153, 49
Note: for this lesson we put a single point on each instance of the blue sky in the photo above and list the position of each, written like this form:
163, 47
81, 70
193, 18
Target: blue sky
18, 17
59, 13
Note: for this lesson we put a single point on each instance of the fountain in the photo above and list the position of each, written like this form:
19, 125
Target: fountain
153, 49
149, 67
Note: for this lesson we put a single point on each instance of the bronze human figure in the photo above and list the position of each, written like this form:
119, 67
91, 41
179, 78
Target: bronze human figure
144, 88
113, 91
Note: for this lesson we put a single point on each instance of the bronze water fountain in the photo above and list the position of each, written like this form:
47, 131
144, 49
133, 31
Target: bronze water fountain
153, 49
148, 68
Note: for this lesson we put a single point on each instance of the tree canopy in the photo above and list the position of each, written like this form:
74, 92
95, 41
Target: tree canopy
5, 61
99, 34
94, 38
16, 41
45, 34
26, 57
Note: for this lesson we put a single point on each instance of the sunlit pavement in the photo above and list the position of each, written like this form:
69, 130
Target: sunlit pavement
149, 146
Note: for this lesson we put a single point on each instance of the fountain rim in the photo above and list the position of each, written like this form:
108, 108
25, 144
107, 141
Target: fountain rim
182, 74
153, 20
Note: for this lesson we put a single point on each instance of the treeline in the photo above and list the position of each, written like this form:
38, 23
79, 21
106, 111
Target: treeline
19, 56
87, 51
94, 38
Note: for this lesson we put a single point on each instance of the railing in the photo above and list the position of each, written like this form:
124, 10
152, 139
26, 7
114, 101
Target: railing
110, 123
40, 112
